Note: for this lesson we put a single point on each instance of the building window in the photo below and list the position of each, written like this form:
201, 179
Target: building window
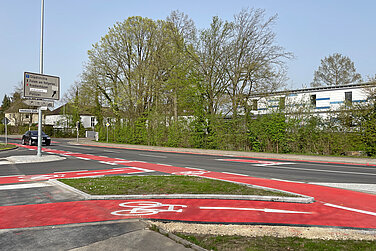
282, 103
254, 105
313, 100
92, 121
348, 98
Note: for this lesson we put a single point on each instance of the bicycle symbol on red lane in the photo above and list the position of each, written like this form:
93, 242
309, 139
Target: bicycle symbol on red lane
141, 208
199, 172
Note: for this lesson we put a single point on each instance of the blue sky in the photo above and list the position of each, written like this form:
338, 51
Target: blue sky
310, 29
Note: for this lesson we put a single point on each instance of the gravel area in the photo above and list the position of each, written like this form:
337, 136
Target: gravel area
274, 231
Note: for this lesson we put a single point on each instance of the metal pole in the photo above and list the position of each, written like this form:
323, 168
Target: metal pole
41, 39
39, 153
6, 131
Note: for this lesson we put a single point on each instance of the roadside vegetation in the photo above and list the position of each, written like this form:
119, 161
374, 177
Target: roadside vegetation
226, 242
122, 185
6, 146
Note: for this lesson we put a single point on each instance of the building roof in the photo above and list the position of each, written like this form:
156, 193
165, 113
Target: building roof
319, 89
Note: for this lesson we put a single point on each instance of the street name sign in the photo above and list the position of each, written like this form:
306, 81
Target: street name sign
41, 86
33, 102
28, 110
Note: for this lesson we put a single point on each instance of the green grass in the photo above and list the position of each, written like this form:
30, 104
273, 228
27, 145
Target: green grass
6, 147
226, 242
115, 185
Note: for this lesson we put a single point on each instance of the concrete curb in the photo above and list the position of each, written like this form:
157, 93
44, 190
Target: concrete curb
10, 149
173, 236
303, 200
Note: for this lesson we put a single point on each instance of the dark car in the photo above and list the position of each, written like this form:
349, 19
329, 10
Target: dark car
31, 138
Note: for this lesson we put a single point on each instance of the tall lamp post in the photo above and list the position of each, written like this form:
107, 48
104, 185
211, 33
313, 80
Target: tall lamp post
39, 153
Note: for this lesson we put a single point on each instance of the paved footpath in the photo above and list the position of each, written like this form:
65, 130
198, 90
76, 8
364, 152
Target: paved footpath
332, 206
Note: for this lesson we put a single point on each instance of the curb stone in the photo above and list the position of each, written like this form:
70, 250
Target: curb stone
173, 236
303, 200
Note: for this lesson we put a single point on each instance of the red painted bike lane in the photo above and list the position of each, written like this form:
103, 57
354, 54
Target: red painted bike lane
190, 210
333, 207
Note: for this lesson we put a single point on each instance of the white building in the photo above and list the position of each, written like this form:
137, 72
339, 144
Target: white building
59, 118
319, 100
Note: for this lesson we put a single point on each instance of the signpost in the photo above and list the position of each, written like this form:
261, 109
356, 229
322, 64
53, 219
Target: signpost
41, 86
41, 89
28, 110
34, 102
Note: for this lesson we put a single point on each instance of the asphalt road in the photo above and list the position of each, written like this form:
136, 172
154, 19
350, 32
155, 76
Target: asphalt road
276, 169
39, 214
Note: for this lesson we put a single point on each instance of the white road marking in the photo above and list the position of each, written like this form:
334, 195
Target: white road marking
72, 171
367, 188
266, 210
350, 209
195, 168
236, 174
289, 181
108, 163
155, 156
22, 186
320, 170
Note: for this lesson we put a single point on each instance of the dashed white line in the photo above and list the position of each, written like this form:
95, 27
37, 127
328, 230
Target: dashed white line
289, 181
72, 171
155, 156
235, 174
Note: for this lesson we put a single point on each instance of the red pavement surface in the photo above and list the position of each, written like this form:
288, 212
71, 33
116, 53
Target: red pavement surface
333, 207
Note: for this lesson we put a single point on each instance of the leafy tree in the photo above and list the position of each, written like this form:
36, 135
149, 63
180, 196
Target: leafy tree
335, 69
6, 103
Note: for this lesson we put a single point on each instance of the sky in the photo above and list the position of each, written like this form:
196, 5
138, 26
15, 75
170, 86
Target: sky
310, 29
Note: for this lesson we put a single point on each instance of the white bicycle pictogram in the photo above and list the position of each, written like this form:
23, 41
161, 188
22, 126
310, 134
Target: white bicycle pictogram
191, 173
141, 208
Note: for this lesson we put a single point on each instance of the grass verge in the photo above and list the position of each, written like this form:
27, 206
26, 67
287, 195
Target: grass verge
126, 185
6, 146
227, 242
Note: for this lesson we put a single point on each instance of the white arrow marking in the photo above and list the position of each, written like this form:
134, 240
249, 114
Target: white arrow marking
266, 210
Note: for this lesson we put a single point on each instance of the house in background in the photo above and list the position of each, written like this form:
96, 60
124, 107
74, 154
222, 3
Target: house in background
16, 118
60, 118
319, 100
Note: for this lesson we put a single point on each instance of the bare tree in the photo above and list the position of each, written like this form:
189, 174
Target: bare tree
335, 69
255, 63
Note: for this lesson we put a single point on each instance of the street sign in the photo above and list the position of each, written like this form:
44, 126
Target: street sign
33, 102
41, 86
27, 110
5, 121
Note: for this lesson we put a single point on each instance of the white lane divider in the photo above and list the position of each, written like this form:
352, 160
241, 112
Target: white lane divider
350, 209
155, 156
22, 186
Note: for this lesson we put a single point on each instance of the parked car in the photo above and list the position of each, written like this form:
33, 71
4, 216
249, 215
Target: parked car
31, 138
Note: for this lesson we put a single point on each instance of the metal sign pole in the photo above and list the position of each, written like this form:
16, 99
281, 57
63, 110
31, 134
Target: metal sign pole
39, 153
6, 131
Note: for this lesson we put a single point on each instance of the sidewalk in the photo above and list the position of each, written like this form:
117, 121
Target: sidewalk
294, 157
